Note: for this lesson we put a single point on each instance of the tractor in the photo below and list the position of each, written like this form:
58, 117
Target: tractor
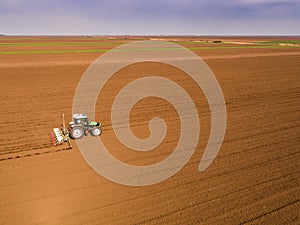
79, 127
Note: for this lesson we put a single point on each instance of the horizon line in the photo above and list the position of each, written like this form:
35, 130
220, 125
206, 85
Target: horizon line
150, 35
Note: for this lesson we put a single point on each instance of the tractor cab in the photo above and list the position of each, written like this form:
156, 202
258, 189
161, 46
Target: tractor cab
80, 119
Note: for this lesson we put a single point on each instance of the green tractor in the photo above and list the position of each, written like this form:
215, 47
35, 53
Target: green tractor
80, 126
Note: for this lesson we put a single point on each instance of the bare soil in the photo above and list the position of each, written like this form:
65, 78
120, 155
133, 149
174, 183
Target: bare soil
254, 180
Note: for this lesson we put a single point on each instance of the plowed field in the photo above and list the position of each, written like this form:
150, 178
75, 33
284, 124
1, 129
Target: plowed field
254, 179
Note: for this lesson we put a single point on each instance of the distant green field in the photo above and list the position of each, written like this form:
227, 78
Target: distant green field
75, 44
51, 51
59, 51
198, 42
242, 47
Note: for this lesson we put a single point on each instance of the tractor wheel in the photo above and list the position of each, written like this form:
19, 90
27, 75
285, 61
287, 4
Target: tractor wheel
76, 132
95, 131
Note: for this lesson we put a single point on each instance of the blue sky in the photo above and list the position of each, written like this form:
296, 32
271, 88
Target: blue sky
158, 17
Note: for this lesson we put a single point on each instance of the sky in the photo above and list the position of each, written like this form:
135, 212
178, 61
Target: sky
150, 17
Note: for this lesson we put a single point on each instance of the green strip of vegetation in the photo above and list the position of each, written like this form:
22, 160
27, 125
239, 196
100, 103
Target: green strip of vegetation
61, 51
60, 44
51, 51
199, 42
243, 47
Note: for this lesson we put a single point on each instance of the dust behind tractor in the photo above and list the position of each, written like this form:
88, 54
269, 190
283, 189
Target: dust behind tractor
78, 128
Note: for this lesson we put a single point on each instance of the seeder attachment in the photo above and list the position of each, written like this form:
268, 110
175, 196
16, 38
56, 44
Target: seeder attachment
59, 136
56, 136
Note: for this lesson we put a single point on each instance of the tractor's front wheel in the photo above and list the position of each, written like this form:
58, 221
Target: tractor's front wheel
95, 131
76, 132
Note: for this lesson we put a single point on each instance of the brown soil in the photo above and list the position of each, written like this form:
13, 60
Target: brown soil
254, 179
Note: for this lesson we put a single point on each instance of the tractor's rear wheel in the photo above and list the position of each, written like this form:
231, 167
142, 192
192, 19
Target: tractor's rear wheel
76, 132
95, 131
